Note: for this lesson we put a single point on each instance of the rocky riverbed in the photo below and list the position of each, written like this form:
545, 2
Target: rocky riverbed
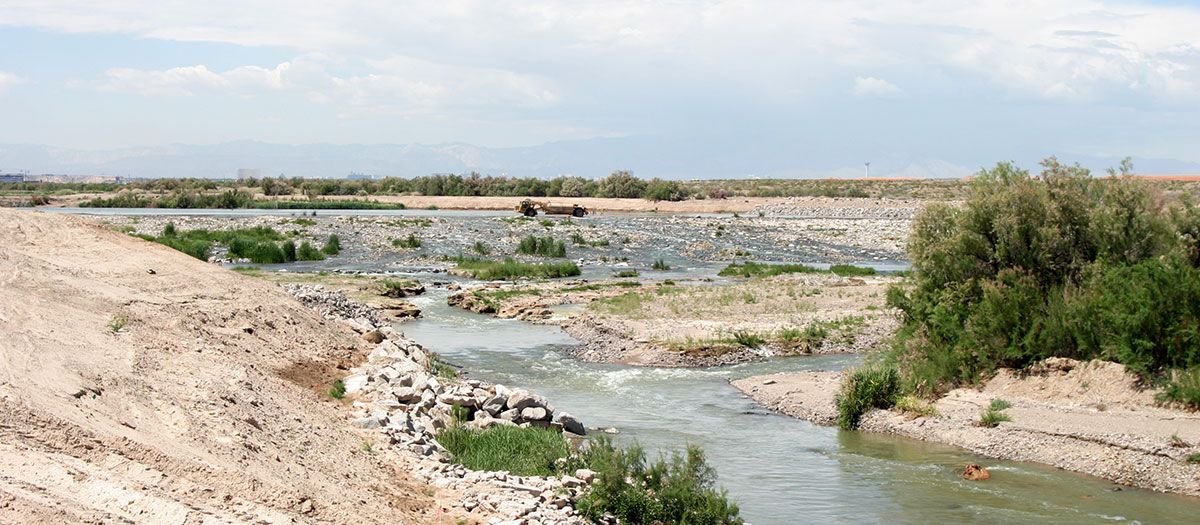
603, 240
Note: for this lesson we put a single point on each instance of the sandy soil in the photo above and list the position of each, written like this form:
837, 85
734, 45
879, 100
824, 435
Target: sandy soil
207, 405
1085, 417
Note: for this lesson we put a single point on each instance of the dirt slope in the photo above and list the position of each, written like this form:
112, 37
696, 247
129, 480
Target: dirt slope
202, 408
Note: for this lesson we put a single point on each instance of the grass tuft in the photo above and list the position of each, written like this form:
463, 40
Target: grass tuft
529, 451
863, 389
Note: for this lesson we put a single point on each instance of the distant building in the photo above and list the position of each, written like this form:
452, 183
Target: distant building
359, 176
76, 179
249, 173
5, 177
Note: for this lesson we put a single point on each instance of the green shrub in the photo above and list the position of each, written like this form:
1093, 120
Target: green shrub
660, 265
289, 250
1057, 265
333, 245
748, 339
480, 248
1183, 388
625, 274
678, 490
863, 389
994, 413
544, 246
306, 252
529, 451
337, 390
753, 269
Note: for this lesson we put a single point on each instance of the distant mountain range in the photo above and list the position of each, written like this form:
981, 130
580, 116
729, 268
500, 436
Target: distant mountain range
645, 156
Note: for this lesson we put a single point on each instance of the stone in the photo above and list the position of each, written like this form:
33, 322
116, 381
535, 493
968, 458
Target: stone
570, 424
510, 414
586, 475
571, 481
403, 289
521, 399
973, 472
457, 399
408, 395
404, 310
373, 337
355, 383
534, 413
487, 421
494, 405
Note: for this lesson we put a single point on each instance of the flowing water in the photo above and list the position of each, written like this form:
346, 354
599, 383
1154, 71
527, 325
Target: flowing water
778, 469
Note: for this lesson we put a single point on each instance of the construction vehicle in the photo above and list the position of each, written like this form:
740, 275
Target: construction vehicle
529, 208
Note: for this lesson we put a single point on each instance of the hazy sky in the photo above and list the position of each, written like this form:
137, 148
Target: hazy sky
993, 79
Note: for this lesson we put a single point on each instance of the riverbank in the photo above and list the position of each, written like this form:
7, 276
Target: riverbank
139, 384
1091, 418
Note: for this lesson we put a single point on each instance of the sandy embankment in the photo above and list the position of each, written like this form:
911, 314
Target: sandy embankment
1084, 417
184, 394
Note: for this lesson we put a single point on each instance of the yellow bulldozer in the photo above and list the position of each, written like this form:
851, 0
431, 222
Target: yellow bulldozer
529, 208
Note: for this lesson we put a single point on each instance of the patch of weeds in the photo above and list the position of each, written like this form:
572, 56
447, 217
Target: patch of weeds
994, 414
626, 273
529, 451
748, 339
1182, 388
117, 322
1192, 458
337, 390
442, 369
544, 246
680, 489
480, 248
847, 270
509, 269
547, 223
367, 447
865, 388
461, 414
660, 265
411, 242
915, 406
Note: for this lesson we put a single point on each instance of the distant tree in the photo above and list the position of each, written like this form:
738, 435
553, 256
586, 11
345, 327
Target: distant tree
622, 184
573, 187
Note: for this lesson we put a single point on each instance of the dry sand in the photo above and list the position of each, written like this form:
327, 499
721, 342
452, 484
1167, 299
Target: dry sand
203, 407
1085, 417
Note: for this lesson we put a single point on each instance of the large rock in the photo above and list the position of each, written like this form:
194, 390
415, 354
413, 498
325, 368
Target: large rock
534, 414
403, 310
521, 399
374, 336
408, 395
494, 405
570, 424
402, 289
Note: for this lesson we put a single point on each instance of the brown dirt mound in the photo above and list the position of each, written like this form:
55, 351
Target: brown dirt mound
131, 396
1067, 381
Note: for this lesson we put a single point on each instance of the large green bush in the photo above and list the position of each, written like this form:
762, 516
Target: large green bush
1062, 264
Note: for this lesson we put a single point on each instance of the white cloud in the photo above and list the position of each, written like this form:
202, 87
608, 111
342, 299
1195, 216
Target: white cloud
399, 85
8, 80
875, 87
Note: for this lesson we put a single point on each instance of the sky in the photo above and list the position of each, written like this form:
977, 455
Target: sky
965, 81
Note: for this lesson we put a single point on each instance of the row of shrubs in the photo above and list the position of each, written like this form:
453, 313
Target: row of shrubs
753, 269
680, 489
508, 269
228, 199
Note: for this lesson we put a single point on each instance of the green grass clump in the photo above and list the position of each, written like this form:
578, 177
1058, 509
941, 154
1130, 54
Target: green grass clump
544, 246
994, 413
521, 451
480, 248
660, 265
411, 242
509, 269
623, 274
1192, 458
676, 490
847, 270
863, 389
333, 245
753, 269
916, 406
337, 390
748, 339
117, 322
307, 252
